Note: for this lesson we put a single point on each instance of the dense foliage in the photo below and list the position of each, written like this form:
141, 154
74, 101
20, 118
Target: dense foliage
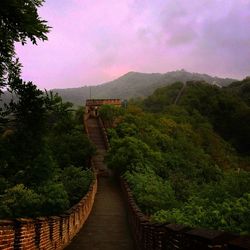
44, 157
225, 108
240, 89
108, 114
179, 162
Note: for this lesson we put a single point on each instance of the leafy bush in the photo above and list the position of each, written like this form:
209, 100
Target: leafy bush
19, 201
72, 148
76, 182
41, 170
232, 185
151, 192
109, 113
231, 215
219, 205
127, 152
55, 199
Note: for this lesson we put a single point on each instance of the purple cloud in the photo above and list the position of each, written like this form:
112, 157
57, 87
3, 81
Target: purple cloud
95, 41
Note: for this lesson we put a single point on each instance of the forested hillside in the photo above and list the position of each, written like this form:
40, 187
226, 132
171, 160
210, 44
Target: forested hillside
226, 109
186, 162
241, 89
135, 84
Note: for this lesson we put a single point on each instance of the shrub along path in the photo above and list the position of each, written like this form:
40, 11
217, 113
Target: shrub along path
107, 227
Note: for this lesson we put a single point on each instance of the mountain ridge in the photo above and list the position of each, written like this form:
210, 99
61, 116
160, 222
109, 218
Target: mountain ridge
130, 85
135, 84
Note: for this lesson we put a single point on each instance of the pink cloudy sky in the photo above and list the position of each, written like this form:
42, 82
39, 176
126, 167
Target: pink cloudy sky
93, 41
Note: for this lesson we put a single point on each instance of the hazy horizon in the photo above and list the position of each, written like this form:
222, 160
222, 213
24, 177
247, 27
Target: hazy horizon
111, 80
95, 42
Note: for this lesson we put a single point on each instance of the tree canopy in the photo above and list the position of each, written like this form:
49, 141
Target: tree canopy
187, 162
19, 22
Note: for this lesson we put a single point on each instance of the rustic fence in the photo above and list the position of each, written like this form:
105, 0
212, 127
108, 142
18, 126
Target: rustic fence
47, 233
155, 236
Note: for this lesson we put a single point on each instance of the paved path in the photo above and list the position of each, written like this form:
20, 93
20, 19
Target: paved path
95, 135
107, 227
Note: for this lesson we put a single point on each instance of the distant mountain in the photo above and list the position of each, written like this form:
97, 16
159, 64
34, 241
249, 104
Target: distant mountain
135, 84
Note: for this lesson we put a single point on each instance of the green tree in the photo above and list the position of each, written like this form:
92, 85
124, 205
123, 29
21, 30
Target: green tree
59, 114
19, 201
55, 199
230, 214
19, 22
109, 113
76, 182
151, 192
126, 153
28, 125
71, 148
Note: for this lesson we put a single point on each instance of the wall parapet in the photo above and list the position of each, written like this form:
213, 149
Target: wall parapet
158, 236
104, 132
47, 233
99, 102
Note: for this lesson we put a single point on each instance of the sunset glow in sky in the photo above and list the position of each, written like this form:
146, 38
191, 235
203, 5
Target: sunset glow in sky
94, 41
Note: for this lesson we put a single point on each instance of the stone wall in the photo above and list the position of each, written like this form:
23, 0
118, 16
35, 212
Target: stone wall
99, 102
104, 133
47, 233
157, 236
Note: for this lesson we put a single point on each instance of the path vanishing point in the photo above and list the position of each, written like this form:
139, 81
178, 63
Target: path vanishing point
107, 226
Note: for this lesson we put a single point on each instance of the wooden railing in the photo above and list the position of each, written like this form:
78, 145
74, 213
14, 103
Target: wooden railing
47, 233
155, 236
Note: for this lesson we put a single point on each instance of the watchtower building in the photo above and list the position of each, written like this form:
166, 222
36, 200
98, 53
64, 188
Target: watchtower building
92, 105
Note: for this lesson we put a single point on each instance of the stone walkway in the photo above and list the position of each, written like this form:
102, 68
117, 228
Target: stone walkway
95, 135
107, 227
